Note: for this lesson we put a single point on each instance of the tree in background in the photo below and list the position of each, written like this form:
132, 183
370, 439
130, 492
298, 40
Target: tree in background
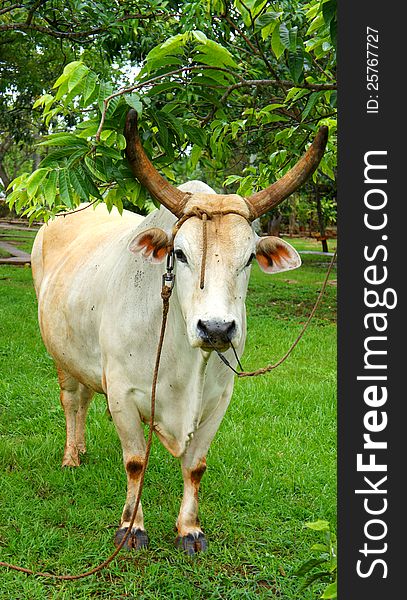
229, 92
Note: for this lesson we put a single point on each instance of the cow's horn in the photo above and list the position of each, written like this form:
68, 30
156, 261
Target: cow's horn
167, 194
262, 202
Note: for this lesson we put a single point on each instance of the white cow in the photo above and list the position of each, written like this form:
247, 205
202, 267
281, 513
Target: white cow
98, 281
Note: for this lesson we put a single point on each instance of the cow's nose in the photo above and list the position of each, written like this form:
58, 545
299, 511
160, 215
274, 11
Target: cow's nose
218, 333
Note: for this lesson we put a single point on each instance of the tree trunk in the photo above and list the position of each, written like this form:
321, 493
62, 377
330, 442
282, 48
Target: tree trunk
321, 221
4, 176
292, 219
274, 226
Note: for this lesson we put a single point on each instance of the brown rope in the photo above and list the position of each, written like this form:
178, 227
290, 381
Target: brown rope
204, 249
287, 354
165, 295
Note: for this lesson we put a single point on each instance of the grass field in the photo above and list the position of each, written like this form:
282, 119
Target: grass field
271, 467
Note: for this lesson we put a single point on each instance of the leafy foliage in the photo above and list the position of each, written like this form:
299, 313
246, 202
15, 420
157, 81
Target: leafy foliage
230, 91
323, 564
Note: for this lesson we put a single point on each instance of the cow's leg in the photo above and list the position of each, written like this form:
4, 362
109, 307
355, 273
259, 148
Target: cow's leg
75, 399
193, 464
85, 397
190, 536
129, 428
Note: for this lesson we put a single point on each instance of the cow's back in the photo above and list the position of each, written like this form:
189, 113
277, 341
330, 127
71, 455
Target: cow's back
67, 239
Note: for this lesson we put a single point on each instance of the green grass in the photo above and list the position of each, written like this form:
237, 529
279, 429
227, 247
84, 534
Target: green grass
307, 243
24, 239
271, 466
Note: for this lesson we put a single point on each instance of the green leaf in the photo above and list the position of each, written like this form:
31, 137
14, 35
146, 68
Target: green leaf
50, 188
121, 141
309, 565
292, 36
163, 87
18, 181
319, 525
65, 192
76, 76
232, 179
195, 134
89, 88
271, 107
79, 185
173, 45
267, 18
22, 200
331, 591
76, 156
113, 104
34, 181
134, 101
46, 99
89, 131
56, 157
284, 35
214, 54
106, 133
246, 186
63, 89
88, 180
110, 152
67, 72
296, 62
329, 11
295, 94
174, 123
195, 155
273, 118
52, 114
96, 167
200, 36
105, 90
276, 44
62, 139
318, 576
320, 547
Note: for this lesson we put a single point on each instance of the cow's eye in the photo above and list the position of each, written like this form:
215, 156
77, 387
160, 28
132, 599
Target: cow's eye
252, 257
180, 256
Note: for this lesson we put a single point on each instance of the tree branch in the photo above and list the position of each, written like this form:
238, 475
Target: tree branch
246, 39
32, 11
10, 8
151, 82
268, 82
69, 35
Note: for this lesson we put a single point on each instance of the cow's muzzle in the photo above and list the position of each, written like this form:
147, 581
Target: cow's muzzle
216, 334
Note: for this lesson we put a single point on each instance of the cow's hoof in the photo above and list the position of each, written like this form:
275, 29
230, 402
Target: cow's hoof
192, 544
71, 458
136, 540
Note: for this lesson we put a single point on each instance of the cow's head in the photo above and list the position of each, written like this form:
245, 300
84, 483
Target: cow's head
214, 312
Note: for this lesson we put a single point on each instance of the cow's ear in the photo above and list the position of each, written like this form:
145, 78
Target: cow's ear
154, 244
275, 255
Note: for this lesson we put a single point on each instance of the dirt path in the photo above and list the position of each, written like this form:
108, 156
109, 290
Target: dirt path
18, 257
